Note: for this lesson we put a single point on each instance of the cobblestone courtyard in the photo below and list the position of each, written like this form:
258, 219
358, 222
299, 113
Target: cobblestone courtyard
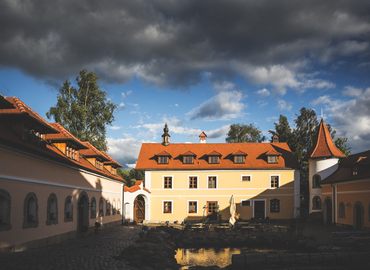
94, 251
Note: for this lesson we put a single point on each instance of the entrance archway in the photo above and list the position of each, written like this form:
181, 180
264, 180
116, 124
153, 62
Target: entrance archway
328, 215
139, 209
83, 213
358, 215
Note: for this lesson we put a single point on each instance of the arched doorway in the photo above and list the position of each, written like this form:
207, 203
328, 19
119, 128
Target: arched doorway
328, 218
83, 213
139, 209
358, 215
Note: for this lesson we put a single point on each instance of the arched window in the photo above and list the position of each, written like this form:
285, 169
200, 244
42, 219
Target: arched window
93, 208
108, 208
4, 210
316, 181
274, 206
114, 207
52, 210
119, 207
316, 203
68, 209
101, 207
342, 210
30, 211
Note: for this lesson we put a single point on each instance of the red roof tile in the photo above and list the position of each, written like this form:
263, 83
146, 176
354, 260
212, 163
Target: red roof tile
91, 151
239, 153
325, 147
255, 156
64, 135
188, 153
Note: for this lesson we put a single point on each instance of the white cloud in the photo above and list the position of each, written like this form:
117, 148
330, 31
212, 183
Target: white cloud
284, 105
224, 86
114, 127
121, 105
223, 106
126, 94
125, 150
351, 118
351, 91
263, 92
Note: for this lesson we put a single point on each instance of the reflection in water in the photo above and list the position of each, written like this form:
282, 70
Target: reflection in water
205, 257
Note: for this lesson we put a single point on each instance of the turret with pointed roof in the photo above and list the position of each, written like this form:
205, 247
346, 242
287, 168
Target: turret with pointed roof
325, 147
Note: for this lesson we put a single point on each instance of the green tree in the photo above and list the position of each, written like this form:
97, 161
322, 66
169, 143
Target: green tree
85, 111
131, 175
244, 133
283, 130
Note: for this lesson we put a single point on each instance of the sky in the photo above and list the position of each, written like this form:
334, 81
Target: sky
197, 65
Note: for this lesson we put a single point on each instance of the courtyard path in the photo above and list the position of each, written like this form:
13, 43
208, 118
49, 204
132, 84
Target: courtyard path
93, 251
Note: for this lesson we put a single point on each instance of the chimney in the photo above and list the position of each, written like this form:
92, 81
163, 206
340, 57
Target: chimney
275, 138
166, 136
203, 137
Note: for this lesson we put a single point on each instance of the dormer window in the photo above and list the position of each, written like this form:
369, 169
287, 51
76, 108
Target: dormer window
188, 159
163, 159
99, 164
272, 159
213, 159
72, 153
239, 159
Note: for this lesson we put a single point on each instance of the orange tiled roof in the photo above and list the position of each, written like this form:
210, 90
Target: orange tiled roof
64, 135
239, 153
189, 153
19, 108
272, 152
255, 156
91, 151
324, 144
135, 187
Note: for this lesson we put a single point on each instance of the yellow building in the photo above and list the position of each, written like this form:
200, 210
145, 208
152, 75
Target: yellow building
52, 185
346, 193
193, 180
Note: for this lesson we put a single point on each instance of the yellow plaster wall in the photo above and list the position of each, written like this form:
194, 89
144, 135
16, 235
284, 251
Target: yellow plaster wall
228, 183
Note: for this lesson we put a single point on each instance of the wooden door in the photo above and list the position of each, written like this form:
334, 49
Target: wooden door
139, 209
259, 209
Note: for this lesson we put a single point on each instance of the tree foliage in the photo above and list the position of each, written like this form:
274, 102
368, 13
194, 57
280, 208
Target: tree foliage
244, 133
131, 175
85, 111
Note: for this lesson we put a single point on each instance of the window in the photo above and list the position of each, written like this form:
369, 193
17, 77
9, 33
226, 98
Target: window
342, 210
119, 207
212, 182
239, 159
193, 182
99, 164
272, 159
101, 207
167, 207
274, 206
246, 203
30, 211
4, 210
93, 208
188, 159
212, 207
72, 153
316, 203
316, 181
107, 208
167, 182
193, 207
114, 207
355, 171
246, 178
213, 159
68, 209
274, 181
52, 210
163, 159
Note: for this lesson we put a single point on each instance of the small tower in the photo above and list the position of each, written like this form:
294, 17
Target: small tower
323, 161
203, 137
166, 136
275, 138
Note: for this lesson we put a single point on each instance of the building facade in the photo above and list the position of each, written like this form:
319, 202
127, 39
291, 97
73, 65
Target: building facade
52, 185
194, 180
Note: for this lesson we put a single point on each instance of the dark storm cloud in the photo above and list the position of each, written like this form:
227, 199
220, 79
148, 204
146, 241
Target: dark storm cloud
176, 42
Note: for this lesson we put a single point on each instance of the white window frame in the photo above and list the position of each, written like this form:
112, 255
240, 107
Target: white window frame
189, 181
163, 182
241, 178
197, 207
208, 182
250, 202
271, 175
172, 206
